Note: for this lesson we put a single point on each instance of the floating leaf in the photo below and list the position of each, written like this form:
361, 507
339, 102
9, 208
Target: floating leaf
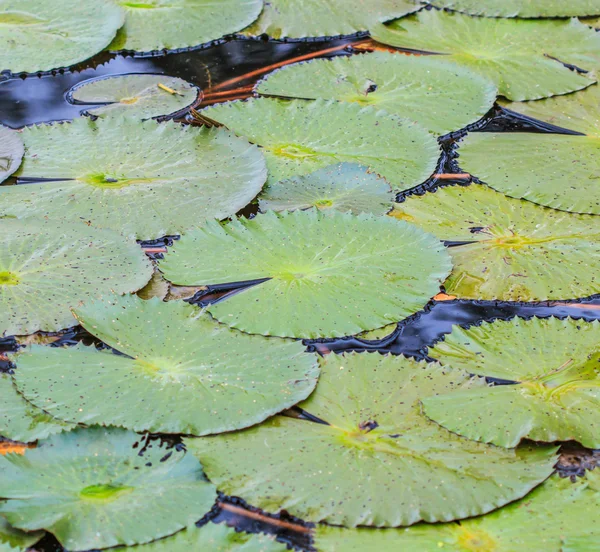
11, 151
175, 378
140, 178
14, 539
343, 187
515, 250
152, 25
39, 35
380, 462
379, 333
83, 486
518, 8
311, 18
419, 88
46, 268
141, 96
552, 514
327, 275
557, 366
519, 56
300, 137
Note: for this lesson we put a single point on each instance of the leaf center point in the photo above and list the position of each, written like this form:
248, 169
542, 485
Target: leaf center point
105, 493
9, 278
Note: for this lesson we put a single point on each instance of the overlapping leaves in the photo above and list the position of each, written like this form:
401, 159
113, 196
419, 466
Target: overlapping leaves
518, 8
11, 152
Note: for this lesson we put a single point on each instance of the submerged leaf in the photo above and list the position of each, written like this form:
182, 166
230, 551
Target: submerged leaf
556, 364
39, 35
175, 377
553, 514
419, 88
510, 250
518, 8
380, 461
12, 539
519, 56
152, 25
47, 268
344, 187
326, 275
140, 178
299, 137
141, 96
83, 486
11, 151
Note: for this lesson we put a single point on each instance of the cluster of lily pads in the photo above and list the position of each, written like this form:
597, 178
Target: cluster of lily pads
456, 451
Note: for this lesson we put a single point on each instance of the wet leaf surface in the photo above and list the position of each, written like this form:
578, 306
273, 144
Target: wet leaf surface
11, 152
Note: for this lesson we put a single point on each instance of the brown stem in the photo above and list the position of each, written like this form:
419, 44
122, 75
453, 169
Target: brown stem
265, 519
149, 250
452, 176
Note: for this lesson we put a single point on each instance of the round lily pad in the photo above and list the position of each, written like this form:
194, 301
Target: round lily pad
556, 367
83, 486
518, 8
556, 170
509, 250
11, 151
141, 178
312, 18
555, 513
299, 137
419, 88
12, 539
522, 57
39, 35
152, 25
380, 461
141, 96
343, 187
49, 267
326, 275
175, 377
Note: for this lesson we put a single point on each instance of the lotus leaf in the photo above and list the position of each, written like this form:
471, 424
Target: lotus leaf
152, 25
523, 57
551, 515
215, 538
176, 377
510, 250
299, 137
142, 178
39, 35
83, 486
14, 539
11, 152
343, 187
518, 8
312, 18
557, 366
326, 275
142, 96
380, 461
419, 88
47, 267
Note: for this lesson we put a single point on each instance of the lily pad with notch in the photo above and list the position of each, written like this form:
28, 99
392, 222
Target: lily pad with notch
319, 275
299, 137
142, 179
510, 249
11, 152
518, 8
419, 88
377, 461
524, 58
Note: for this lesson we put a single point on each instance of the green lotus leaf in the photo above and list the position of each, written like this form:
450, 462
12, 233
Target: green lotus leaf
517, 251
518, 8
175, 378
328, 275
343, 187
141, 96
152, 25
141, 178
419, 88
216, 538
580, 544
299, 137
82, 486
11, 152
519, 56
312, 18
39, 35
12, 539
48, 267
545, 519
380, 461
557, 366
